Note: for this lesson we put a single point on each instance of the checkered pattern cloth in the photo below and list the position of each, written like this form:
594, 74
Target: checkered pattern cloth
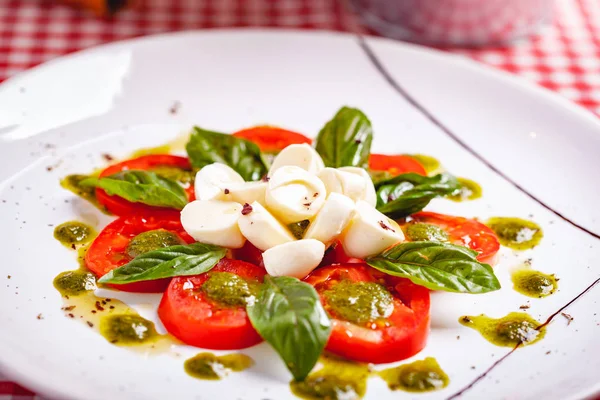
564, 57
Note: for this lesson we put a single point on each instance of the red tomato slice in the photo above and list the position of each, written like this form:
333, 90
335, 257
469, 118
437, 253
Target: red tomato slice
196, 320
336, 255
107, 252
465, 232
120, 206
395, 165
271, 139
399, 336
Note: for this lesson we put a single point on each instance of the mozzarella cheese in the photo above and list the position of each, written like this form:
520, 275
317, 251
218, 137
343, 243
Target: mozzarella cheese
295, 259
370, 232
299, 155
213, 222
349, 181
294, 194
212, 181
247, 192
262, 229
332, 219
369, 194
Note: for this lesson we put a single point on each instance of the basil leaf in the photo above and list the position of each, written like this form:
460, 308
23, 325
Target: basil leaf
346, 139
180, 260
437, 266
207, 147
288, 314
408, 193
141, 187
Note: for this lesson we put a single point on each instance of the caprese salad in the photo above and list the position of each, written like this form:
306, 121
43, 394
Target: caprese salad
309, 246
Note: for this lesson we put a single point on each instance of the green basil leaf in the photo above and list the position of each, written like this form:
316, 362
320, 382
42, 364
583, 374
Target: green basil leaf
179, 260
437, 266
406, 194
288, 314
207, 147
141, 187
346, 139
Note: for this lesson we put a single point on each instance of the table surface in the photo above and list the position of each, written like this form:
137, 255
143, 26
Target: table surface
564, 56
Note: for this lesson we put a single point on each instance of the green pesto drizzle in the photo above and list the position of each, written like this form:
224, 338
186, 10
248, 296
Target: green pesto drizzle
359, 302
509, 331
534, 283
419, 376
516, 233
74, 233
469, 190
212, 367
337, 379
419, 231
152, 240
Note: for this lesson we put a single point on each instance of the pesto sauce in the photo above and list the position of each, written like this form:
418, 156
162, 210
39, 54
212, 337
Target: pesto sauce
534, 283
72, 184
211, 367
419, 231
74, 233
516, 233
152, 240
419, 376
229, 290
359, 302
469, 190
75, 283
337, 379
509, 331
431, 165
127, 329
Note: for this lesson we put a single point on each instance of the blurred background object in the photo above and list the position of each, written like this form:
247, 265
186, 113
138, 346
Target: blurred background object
455, 22
101, 7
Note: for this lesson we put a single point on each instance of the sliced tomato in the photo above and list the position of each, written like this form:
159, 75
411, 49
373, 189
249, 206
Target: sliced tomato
108, 251
249, 253
396, 164
464, 232
402, 334
271, 139
190, 316
120, 206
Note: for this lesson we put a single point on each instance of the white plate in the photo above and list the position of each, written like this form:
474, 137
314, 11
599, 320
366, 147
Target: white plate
116, 98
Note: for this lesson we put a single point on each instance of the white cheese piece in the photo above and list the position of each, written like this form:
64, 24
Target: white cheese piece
247, 192
262, 229
299, 155
213, 222
332, 219
212, 181
349, 181
294, 194
369, 194
370, 232
295, 259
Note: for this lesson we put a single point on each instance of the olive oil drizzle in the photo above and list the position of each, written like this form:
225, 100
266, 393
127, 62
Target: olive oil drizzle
509, 331
209, 366
533, 283
416, 377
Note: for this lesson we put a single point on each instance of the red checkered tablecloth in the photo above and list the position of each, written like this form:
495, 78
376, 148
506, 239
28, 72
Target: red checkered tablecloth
564, 57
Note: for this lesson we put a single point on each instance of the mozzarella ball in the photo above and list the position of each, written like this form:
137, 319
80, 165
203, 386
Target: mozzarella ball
370, 232
247, 192
212, 181
295, 259
262, 229
299, 155
213, 222
370, 196
352, 182
332, 219
294, 194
